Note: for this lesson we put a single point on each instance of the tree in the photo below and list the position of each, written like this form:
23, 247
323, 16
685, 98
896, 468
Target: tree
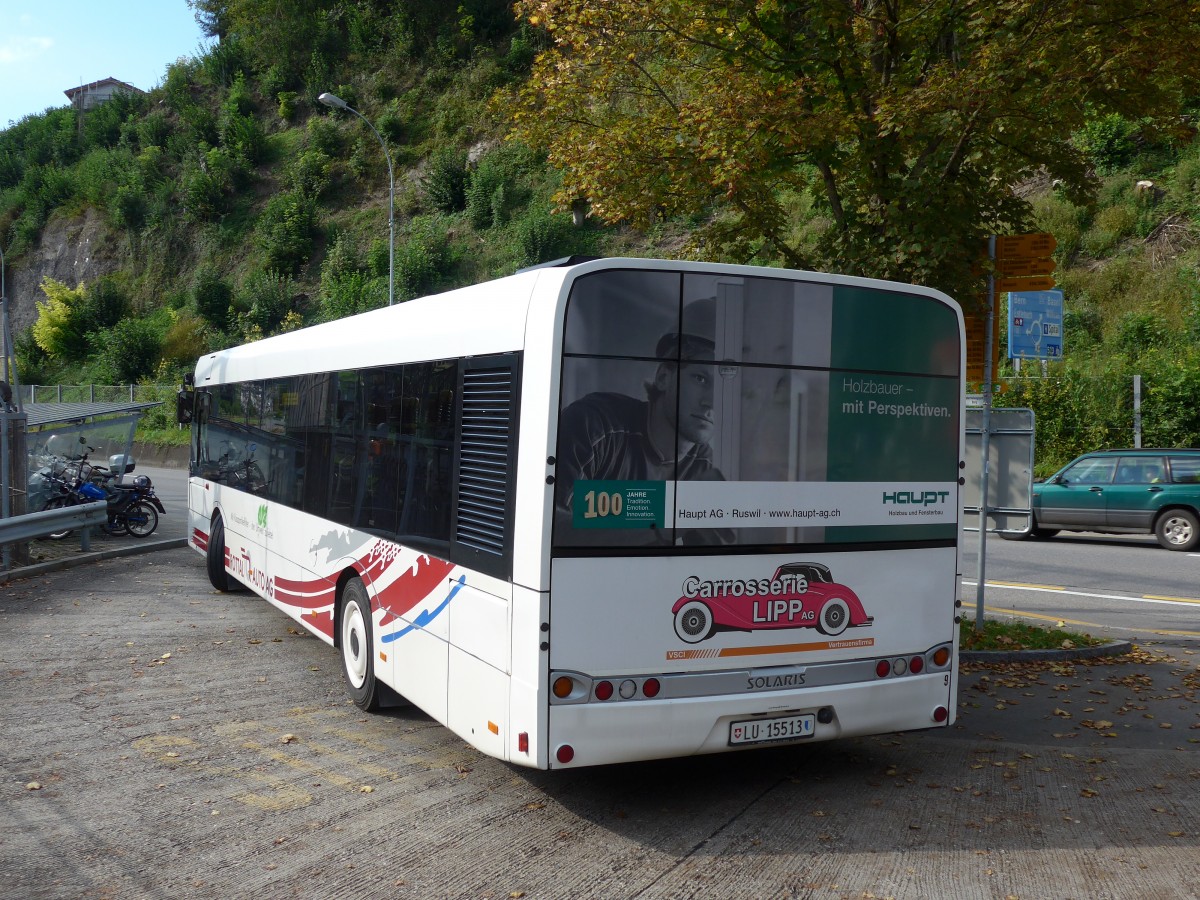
60, 329
906, 124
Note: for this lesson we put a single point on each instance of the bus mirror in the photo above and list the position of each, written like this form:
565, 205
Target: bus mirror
184, 402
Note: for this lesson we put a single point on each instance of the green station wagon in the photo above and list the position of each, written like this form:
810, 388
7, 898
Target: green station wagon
1123, 492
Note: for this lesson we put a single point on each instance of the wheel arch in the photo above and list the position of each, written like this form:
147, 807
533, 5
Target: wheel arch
348, 571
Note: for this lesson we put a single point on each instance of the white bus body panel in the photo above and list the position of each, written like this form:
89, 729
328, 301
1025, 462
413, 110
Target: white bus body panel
626, 732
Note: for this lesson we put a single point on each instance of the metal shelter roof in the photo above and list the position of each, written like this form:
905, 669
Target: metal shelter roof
53, 413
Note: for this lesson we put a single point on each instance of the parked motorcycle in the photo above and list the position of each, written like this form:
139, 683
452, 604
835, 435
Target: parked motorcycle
132, 508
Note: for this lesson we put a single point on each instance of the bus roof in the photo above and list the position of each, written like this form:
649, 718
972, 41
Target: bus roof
486, 318
476, 320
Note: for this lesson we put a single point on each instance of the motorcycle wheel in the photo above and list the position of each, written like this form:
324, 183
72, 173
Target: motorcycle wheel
58, 503
116, 526
141, 519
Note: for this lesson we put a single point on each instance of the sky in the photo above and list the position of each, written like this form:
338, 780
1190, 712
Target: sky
48, 46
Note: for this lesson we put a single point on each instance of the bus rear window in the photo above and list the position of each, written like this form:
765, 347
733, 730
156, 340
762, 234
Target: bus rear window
707, 410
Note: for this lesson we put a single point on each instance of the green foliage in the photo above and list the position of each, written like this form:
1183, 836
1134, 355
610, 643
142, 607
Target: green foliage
1138, 332
286, 231
421, 258
1110, 141
265, 300
446, 180
309, 173
58, 330
126, 353
498, 184
542, 236
211, 296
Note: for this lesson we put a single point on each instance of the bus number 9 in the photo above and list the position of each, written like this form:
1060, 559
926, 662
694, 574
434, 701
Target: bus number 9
602, 504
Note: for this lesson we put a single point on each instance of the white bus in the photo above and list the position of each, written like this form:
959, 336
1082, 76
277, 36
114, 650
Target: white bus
610, 509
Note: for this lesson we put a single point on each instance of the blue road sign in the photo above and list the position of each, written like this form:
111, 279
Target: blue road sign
1035, 325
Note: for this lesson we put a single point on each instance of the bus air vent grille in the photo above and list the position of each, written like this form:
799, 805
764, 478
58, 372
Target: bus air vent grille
487, 400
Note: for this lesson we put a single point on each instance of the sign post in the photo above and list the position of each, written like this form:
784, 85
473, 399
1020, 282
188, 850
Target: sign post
1019, 263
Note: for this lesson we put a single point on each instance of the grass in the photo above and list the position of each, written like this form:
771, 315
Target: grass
1012, 635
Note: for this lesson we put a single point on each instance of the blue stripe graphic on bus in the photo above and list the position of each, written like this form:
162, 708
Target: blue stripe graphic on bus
425, 616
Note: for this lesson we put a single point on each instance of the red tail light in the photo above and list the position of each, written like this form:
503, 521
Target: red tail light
941, 714
565, 753
883, 668
916, 665
651, 687
604, 690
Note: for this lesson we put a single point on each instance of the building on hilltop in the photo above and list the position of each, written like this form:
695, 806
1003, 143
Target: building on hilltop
88, 95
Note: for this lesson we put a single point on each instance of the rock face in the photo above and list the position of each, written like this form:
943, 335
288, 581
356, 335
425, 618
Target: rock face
70, 250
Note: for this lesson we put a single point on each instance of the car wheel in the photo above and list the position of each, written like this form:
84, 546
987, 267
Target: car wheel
356, 644
1178, 529
693, 622
834, 617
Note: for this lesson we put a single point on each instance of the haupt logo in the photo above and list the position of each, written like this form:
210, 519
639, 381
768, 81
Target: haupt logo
798, 595
915, 498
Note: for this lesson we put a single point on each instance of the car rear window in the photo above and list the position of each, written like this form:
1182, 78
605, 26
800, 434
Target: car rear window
1185, 469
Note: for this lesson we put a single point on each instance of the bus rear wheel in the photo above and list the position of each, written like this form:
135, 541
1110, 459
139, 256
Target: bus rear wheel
357, 646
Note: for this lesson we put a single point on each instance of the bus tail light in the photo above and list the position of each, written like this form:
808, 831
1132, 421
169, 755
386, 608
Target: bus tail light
651, 687
941, 714
941, 656
563, 686
916, 665
604, 690
565, 754
883, 668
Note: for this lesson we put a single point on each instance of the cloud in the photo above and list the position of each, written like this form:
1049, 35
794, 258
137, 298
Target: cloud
18, 49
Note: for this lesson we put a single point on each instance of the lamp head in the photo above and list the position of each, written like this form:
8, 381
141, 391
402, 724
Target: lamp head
332, 100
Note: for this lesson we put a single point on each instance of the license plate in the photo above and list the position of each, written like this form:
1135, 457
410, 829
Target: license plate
759, 731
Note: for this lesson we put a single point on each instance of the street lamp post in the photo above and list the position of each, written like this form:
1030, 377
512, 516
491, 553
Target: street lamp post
336, 102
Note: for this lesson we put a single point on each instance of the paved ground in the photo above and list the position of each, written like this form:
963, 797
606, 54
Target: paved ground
161, 740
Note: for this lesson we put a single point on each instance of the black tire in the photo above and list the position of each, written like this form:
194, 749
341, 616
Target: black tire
58, 503
834, 617
215, 557
141, 519
1178, 529
693, 622
357, 646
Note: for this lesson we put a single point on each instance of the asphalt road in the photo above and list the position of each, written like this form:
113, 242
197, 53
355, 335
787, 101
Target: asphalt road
159, 739
1125, 587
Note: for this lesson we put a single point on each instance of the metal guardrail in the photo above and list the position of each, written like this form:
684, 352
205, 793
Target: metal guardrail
39, 524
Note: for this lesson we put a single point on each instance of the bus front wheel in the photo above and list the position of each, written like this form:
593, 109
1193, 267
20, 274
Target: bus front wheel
214, 557
357, 646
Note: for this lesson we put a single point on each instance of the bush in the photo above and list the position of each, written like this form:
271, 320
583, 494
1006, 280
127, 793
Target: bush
541, 237
499, 185
286, 231
211, 296
1109, 141
309, 173
125, 353
267, 298
446, 180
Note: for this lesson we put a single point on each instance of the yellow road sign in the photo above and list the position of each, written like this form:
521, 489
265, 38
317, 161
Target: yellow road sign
1024, 245
1040, 283
1022, 268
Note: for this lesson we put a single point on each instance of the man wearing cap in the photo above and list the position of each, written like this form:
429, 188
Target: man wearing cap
612, 436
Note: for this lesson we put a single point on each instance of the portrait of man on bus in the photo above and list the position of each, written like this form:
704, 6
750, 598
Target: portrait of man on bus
667, 436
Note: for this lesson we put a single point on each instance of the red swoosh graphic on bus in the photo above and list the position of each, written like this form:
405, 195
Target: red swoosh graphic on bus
425, 576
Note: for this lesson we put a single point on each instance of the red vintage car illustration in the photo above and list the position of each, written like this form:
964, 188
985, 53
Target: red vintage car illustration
798, 595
